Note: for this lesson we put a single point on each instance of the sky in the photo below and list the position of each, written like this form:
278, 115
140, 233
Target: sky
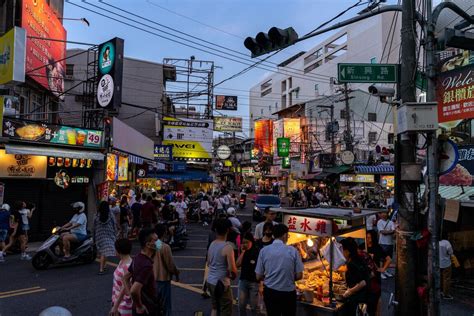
225, 22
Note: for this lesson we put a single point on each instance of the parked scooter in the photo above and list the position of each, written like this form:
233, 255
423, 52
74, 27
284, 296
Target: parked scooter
50, 251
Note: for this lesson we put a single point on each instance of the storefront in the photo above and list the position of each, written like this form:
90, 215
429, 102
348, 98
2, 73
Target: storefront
50, 166
316, 233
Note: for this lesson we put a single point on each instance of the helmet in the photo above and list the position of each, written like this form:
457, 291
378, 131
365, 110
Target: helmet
5, 207
78, 206
231, 211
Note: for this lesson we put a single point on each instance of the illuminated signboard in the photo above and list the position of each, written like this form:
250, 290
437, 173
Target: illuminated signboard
45, 62
308, 225
12, 56
264, 137
358, 178
387, 181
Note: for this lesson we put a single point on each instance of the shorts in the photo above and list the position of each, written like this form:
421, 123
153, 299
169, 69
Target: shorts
3, 234
224, 303
80, 237
25, 227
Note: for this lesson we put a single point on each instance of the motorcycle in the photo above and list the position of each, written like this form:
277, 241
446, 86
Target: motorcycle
180, 240
50, 251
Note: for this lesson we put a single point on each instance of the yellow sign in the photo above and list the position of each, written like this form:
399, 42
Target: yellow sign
12, 56
227, 163
358, 178
387, 181
22, 166
188, 150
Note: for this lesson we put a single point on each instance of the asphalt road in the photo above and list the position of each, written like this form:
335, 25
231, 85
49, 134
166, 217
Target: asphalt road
25, 291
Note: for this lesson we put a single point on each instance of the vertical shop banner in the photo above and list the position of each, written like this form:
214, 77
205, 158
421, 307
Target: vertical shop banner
226, 102
292, 130
285, 163
12, 56
277, 133
122, 169
103, 191
283, 146
45, 62
191, 139
264, 137
455, 94
110, 70
112, 167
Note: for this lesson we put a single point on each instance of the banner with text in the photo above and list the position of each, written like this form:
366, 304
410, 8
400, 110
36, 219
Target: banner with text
227, 124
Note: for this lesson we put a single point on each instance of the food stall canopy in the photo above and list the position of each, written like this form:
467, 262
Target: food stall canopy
53, 152
380, 169
330, 212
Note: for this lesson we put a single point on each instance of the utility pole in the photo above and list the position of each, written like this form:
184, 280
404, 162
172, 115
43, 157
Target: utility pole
348, 137
333, 134
406, 275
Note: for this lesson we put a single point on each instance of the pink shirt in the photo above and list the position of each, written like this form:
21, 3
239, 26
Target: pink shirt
125, 307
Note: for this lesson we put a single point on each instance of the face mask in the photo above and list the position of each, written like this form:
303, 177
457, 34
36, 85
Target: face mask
158, 245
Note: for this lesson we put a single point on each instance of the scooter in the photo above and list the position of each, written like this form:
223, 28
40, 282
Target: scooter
242, 201
50, 253
179, 239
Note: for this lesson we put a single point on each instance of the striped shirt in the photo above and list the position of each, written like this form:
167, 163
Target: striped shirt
125, 307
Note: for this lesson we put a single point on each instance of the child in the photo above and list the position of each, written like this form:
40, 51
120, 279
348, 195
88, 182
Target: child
121, 300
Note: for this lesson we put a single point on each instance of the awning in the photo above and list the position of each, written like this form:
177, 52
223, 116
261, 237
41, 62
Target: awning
336, 170
314, 176
192, 175
380, 169
53, 151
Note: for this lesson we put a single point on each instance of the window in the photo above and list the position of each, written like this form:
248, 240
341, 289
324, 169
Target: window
264, 93
261, 111
313, 66
372, 137
69, 70
290, 83
313, 56
372, 117
343, 114
283, 86
283, 101
391, 138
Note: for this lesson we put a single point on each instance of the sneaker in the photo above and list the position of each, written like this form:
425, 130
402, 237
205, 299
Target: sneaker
205, 224
388, 274
25, 257
382, 275
447, 297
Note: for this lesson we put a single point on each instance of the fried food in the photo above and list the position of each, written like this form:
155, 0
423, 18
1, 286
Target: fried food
31, 131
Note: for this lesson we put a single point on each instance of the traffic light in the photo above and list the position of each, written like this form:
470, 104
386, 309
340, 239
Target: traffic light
275, 39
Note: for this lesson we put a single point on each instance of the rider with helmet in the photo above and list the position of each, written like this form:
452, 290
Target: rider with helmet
77, 227
231, 215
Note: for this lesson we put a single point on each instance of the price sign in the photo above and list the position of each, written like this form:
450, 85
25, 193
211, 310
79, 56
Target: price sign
94, 138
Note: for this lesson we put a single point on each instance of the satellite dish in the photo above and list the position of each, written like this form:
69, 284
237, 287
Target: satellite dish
448, 18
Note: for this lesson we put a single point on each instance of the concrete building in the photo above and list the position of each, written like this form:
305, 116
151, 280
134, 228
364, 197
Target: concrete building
142, 86
309, 77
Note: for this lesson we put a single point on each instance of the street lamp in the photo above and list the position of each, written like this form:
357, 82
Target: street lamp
83, 20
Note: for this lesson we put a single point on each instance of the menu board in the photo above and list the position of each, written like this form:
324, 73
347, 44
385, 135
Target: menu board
51, 133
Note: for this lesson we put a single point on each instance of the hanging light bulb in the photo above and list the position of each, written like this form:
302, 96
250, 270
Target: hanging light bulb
310, 242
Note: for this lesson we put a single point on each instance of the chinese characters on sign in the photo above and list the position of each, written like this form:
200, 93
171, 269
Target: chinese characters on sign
357, 178
163, 152
308, 225
455, 94
227, 124
368, 73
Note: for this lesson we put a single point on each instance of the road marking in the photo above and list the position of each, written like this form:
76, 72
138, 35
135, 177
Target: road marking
190, 257
196, 248
197, 241
22, 292
187, 287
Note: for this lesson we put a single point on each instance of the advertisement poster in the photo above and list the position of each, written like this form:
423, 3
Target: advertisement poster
110, 72
22, 166
103, 191
463, 172
227, 124
112, 167
455, 94
50, 133
191, 139
44, 59
292, 130
283, 145
226, 102
387, 181
277, 133
12, 56
122, 168
163, 152
264, 136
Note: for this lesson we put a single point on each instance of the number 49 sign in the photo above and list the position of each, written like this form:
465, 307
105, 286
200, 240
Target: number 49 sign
94, 138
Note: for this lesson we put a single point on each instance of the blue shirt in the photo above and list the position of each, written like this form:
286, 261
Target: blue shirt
80, 219
4, 219
279, 263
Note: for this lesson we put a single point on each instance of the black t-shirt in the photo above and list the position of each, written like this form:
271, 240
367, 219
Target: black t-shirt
378, 254
142, 272
124, 212
136, 208
249, 262
357, 271
262, 244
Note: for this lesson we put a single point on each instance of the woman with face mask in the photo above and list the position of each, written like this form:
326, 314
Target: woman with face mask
248, 284
267, 238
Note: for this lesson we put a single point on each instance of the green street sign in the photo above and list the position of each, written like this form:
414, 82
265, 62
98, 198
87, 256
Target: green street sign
367, 73
283, 145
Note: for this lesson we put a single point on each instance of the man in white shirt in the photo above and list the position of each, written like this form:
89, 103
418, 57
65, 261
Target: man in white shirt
386, 229
370, 222
445, 253
181, 208
270, 218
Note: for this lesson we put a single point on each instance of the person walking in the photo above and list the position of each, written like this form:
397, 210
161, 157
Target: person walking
104, 234
269, 218
4, 227
121, 300
248, 284
386, 229
20, 230
445, 253
147, 215
279, 266
164, 269
139, 280
124, 218
222, 270
205, 208
136, 210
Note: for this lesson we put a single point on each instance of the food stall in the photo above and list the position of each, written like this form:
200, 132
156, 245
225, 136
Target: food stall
315, 233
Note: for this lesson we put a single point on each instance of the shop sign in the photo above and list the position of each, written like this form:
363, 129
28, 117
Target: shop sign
292, 130
226, 102
122, 168
163, 153
463, 171
285, 163
50, 133
103, 191
283, 146
12, 56
248, 171
227, 163
298, 169
387, 181
191, 139
455, 94
112, 167
179, 166
110, 70
223, 152
45, 59
227, 124
263, 137
274, 170
308, 225
22, 166
357, 178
